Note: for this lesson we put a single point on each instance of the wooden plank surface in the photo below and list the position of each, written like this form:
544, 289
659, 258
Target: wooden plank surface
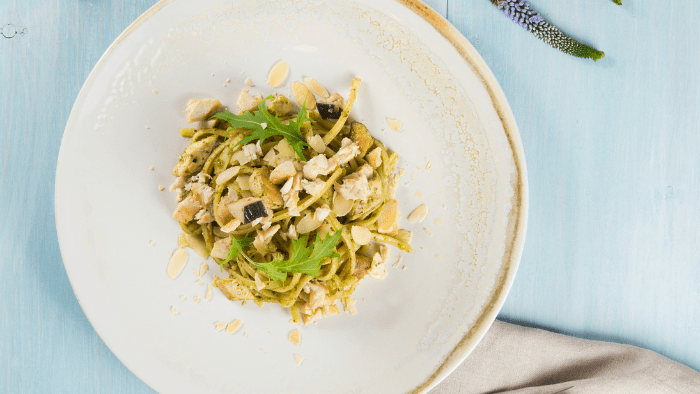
613, 158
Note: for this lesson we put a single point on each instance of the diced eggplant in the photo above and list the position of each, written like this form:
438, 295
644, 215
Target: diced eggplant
254, 211
329, 111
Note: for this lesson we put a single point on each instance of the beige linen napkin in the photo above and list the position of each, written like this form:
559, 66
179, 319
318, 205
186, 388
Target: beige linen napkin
514, 359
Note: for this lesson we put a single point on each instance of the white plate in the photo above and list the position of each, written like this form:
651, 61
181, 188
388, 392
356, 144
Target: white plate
414, 327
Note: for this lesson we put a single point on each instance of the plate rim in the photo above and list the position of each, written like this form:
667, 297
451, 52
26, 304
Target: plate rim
513, 250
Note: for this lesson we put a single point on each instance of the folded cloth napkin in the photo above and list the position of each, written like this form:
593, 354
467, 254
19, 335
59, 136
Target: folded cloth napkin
514, 359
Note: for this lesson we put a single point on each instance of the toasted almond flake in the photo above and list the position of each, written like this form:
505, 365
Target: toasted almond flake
437, 257
227, 175
295, 337
147, 127
278, 74
259, 284
233, 326
263, 125
425, 230
307, 224
396, 264
419, 194
209, 292
199, 282
195, 272
154, 91
387, 217
219, 326
408, 184
150, 168
182, 298
403, 268
174, 310
245, 335
228, 80
177, 263
401, 171
316, 88
161, 188
317, 144
196, 299
302, 95
419, 214
361, 235
153, 242
299, 359
437, 221
341, 205
249, 82
395, 124
204, 268
262, 350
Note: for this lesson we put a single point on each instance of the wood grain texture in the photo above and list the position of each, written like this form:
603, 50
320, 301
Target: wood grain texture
612, 147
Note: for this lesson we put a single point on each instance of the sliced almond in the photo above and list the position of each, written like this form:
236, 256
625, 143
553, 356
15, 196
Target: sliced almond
209, 292
316, 88
204, 268
233, 326
219, 326
303, 95
299, 359
387, 217
259, 284
285, 149
341, 205
177, 263
249, 82
419, 214
295, 337
395, 124
317, 144
324, 230
227, 175
196, 242
278, 74
308, 224
361, 235
174, 310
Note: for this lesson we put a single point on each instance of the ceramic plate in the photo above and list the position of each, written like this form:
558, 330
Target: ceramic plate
458, 144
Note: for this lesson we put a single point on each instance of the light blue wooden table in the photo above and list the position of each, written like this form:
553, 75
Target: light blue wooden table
613, 155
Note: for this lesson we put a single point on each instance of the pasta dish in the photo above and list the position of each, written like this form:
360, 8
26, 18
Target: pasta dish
296, 205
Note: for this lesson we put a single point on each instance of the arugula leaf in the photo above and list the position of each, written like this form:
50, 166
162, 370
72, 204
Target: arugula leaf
272, 126
303, 259
237, 246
